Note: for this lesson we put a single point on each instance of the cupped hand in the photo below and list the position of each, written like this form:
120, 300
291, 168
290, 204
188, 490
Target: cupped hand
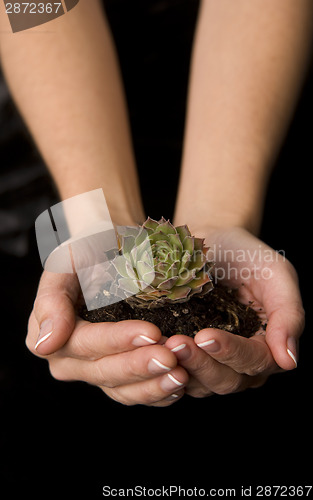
267, 280
220, 362
126, 359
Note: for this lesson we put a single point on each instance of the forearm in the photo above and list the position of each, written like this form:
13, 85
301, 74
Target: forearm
248, 65
65, 80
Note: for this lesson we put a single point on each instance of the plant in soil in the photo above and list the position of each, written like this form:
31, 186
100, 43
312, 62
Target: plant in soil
162, 275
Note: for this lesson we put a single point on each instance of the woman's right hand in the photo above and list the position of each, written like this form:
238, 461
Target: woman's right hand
127, 359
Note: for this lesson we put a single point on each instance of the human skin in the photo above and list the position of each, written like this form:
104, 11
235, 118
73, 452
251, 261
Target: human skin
73, 102
243, 90
248, 64
232, 109
214, 362
270, 283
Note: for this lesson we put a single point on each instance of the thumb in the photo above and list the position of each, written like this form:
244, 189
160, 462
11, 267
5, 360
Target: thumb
53, 318
286, 317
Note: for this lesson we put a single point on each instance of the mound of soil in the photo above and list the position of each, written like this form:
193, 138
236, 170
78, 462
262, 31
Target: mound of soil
220, 308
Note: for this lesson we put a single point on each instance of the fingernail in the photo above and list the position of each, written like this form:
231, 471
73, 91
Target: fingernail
169, 383
46, 329
143, 340
182, 351
172, 396
155, 366
209, 345
178, 348
292, 350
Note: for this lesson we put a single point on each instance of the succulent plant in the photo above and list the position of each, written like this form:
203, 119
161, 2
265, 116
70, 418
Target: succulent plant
161, 263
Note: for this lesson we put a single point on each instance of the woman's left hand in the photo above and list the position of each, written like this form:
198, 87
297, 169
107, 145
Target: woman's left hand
220, 362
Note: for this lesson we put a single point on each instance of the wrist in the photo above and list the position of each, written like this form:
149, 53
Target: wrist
205, 223
88, 208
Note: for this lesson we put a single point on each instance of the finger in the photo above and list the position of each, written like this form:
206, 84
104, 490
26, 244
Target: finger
159, 391
197, 390
285, 331
250, 356
213, 376
118, 369
92, 341
278, 293
54, 313
169, 400
282, 302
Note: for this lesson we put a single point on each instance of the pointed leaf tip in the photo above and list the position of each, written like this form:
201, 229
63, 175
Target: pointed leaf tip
183, 231
150, 224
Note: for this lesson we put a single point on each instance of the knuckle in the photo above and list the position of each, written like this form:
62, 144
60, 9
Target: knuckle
43, 299
51, 299
229, 387
132, 367
80, 346
117, 340
203, 370
199, 392
101, 377
262, 366
253, 370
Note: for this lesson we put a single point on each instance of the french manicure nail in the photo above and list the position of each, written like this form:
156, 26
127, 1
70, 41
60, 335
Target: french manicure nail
292, 350
143, 340
178, 348
182, 352
209, 345
155, 366
172, 396
46, 329
169, 383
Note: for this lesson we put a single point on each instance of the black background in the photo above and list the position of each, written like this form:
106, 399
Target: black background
68, 438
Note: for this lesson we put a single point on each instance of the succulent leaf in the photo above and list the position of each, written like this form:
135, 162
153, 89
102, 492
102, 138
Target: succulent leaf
185, 260
166, 228
186, 277
183, 231
175, 241
143, 267
124, 268
181, 293
199, 281
168, 284
188, 244
129, 285
151, 224
198, 244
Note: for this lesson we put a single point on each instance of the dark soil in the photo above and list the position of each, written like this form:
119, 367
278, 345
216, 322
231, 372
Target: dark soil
220, 308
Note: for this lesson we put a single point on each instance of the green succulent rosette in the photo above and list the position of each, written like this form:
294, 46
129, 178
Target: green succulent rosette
161, 263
